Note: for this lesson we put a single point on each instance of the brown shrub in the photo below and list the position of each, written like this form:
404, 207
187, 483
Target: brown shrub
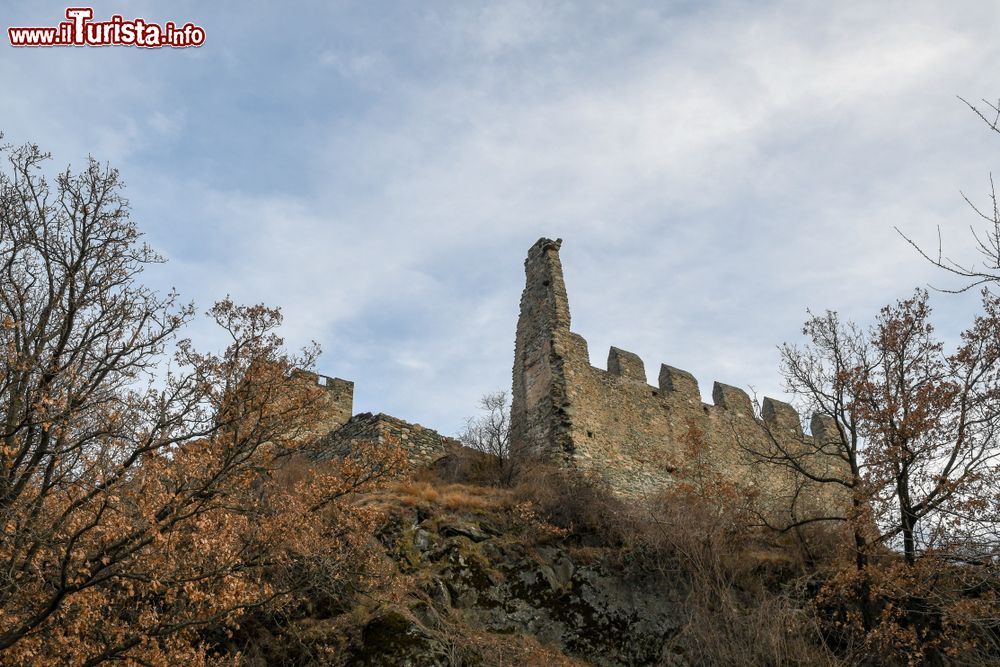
582, 505
746, 601
465, 465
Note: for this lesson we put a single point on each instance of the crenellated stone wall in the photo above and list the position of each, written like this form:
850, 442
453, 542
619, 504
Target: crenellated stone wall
636, 435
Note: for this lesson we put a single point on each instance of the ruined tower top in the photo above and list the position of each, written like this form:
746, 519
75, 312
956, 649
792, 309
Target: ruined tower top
545, 289
538, 392
337, 400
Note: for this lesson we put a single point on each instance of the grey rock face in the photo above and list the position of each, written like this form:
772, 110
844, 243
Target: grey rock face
589, 610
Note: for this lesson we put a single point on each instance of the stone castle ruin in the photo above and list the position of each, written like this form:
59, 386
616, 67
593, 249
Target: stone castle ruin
636, 436
341, 431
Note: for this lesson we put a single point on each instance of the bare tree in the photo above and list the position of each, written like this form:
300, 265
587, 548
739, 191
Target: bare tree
820, 375
489, 433
986, 238
914, 427
913, 430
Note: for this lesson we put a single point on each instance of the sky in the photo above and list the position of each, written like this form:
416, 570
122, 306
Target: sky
380, 169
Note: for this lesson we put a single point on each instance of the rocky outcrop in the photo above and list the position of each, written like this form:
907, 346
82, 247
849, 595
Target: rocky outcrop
470, 572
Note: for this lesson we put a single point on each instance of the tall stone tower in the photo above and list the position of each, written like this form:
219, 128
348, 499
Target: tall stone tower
539, 418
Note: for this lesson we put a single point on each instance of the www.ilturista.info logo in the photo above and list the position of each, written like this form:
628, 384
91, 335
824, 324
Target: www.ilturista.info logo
79, 30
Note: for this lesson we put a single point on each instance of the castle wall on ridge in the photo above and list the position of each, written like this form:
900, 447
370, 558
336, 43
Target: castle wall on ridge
636, 435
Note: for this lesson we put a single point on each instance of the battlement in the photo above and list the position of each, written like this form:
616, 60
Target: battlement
677, 384
626, 365
612, 421
333, 384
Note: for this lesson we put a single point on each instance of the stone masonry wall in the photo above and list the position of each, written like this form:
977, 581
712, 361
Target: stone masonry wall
337, 401
636, 435
423, 446
340, 430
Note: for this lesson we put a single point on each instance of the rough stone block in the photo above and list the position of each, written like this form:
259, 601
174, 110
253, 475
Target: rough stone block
780, 417
626, 365
337, 400
824, 428
578, 347
731, 398
679, 382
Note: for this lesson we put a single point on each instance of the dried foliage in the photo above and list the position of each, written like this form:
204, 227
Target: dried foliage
739, 598
914, 430
581, 507
143, 509
746, 599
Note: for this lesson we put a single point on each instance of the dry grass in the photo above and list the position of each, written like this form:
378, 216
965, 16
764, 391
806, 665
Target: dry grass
452, 497
736, 608
744, 600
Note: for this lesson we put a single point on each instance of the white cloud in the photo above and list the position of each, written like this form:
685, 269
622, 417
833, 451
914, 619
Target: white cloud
713, 169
